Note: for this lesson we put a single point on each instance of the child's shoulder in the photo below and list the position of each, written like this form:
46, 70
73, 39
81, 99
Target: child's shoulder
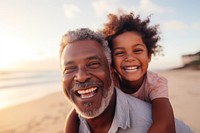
155, 79
157, 86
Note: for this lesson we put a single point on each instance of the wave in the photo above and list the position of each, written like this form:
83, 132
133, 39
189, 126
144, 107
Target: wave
18, 79
18, 87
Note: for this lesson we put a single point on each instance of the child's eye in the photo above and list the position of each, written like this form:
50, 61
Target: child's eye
138, 51
118, 53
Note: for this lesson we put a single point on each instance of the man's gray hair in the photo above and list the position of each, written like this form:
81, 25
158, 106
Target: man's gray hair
86, 34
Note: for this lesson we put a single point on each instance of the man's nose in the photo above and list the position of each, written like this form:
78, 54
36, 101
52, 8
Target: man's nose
82, 75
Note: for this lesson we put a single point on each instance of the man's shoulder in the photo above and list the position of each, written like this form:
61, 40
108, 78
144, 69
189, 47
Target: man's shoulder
133, 103
141, 112
131, 114
130, 98
181, 127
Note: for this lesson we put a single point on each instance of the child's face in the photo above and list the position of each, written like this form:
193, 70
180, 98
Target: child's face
130, 56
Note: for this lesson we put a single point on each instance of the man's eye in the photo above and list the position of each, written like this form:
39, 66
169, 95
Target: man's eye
69, 69
94, 65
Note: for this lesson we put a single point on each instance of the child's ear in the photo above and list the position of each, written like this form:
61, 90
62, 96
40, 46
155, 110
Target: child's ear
149, 58
115, 77
112, 71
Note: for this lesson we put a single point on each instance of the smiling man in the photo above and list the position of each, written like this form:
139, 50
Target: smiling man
88, 85
87, 80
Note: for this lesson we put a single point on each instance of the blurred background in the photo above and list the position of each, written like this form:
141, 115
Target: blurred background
31, 31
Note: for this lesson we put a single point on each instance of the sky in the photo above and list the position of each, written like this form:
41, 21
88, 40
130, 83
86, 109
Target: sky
31, 30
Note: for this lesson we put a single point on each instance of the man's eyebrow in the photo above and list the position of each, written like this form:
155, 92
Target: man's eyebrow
68, 63
93, 57
88, 58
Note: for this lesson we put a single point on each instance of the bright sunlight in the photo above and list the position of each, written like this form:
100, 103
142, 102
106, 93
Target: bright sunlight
13, 50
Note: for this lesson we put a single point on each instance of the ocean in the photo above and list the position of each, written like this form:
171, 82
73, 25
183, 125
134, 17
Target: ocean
20, 86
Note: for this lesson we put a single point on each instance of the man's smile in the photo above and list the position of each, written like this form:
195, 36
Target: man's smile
86, 93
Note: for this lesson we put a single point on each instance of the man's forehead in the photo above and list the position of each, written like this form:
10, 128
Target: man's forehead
84, 45
86, 49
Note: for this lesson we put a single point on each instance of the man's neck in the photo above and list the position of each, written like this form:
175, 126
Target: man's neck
103, 122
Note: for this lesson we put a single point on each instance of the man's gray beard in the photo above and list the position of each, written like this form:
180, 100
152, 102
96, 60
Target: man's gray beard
104, 104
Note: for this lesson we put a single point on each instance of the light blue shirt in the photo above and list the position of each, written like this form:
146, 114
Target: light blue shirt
131, 116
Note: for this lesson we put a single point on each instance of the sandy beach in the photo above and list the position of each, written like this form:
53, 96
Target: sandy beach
47, 114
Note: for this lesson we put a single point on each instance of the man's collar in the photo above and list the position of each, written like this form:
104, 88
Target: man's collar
121, 118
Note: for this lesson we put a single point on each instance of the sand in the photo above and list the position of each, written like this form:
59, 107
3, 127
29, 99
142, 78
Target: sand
47, 114
184, 94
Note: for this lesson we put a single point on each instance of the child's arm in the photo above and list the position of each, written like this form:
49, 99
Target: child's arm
163, 117
72, 123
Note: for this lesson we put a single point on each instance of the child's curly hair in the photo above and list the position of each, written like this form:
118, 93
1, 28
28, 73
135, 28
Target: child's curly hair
124, 22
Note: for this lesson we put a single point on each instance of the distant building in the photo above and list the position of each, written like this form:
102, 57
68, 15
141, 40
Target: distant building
191, 60
187, 59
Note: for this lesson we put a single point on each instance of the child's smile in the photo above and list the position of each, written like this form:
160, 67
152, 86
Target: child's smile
130, 56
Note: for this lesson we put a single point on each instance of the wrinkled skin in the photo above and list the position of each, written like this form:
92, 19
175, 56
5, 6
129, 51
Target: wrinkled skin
87, 81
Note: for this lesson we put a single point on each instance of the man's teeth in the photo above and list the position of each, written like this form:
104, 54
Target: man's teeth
87, 93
